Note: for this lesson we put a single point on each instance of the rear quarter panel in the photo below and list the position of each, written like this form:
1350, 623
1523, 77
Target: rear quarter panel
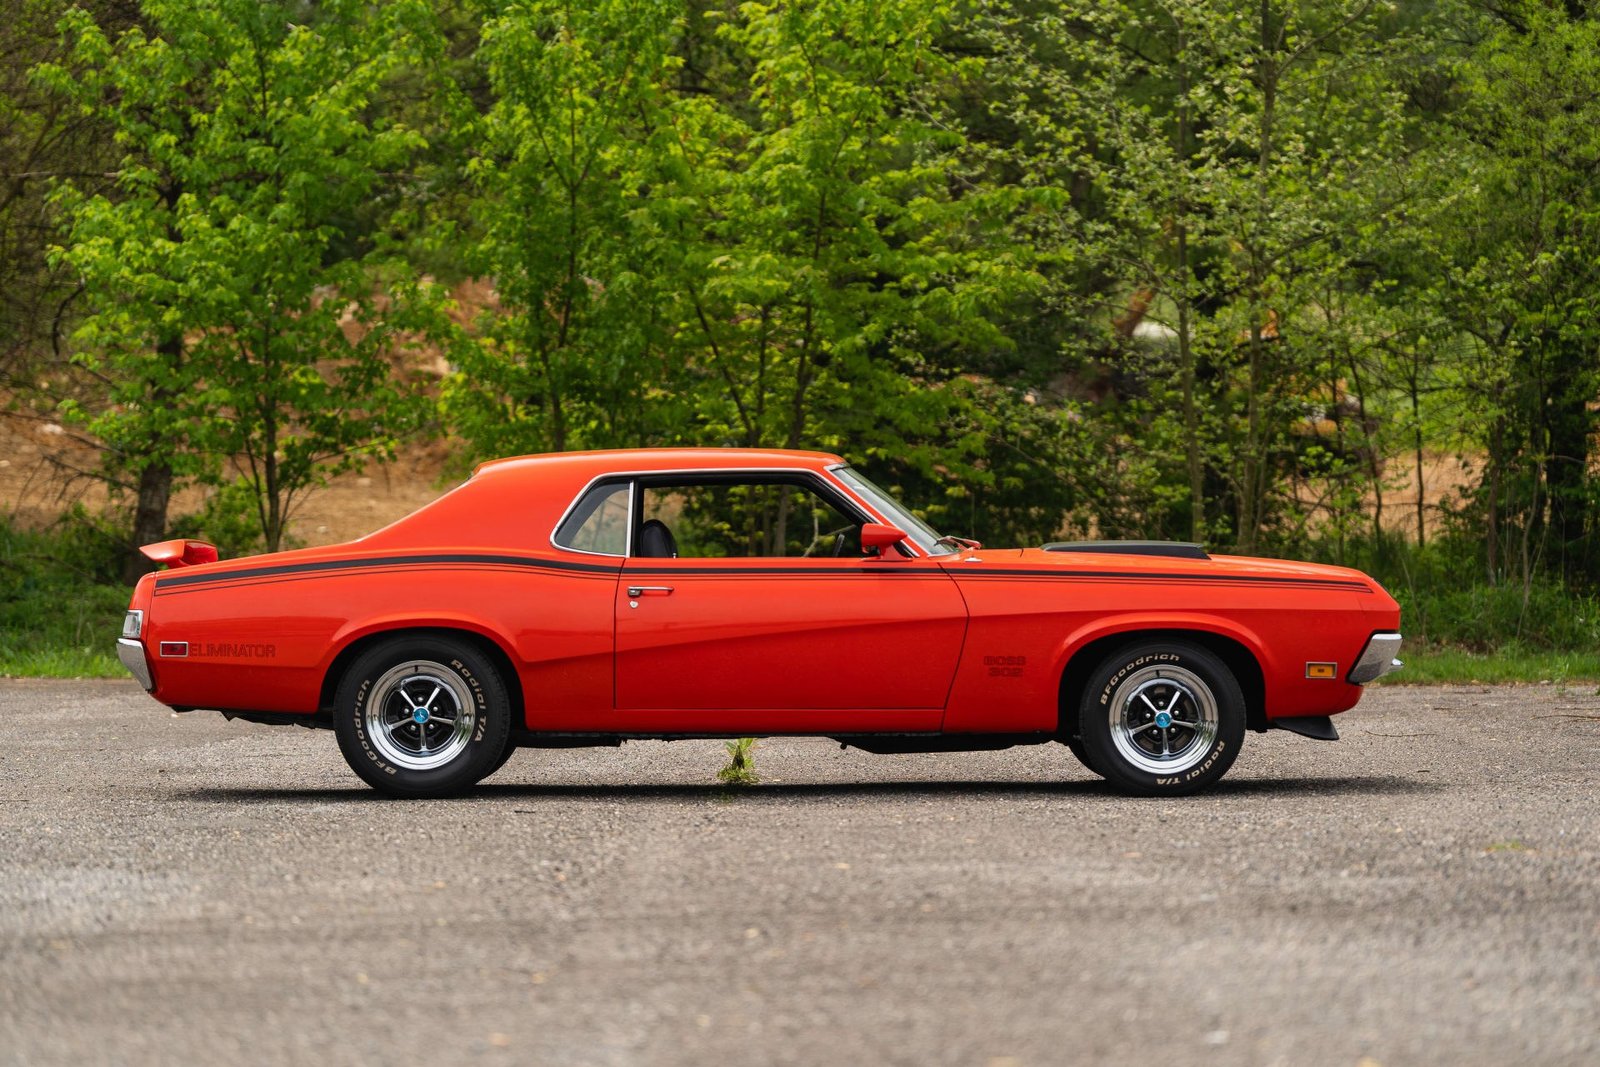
265, 644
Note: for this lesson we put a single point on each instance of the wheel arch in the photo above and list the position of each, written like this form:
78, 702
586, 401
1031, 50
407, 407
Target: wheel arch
489, 645
1237, 656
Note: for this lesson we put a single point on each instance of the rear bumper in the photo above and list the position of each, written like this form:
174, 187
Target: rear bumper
131, 653
1377, 659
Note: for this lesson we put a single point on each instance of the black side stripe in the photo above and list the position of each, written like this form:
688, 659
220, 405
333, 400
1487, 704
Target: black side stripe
1055, 572
172, 581
783, 572
175, 581
957, 571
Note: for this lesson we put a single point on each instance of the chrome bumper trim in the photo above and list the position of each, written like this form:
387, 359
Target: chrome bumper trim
131, 653
1377, 659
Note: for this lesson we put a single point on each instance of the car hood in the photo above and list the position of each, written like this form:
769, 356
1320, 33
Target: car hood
1129, 565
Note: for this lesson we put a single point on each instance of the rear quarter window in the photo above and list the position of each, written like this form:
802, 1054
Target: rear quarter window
599, 523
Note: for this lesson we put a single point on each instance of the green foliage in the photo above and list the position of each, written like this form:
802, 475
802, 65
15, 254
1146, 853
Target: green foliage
1446, 605
60, 604
570, 147
220, 311
1222, 157
228, 520
1511, 252
778, 246
1543, 617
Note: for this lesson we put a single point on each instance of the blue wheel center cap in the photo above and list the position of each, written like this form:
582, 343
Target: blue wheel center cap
419, 716
1163, 720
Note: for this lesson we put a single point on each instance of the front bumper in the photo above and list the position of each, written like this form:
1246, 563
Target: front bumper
131, 653
1377, 659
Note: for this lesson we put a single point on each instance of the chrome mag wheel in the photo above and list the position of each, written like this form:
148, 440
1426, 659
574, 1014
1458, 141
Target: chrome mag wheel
1164, 719
421, 714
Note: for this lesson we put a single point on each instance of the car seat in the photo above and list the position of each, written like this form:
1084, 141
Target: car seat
656, 541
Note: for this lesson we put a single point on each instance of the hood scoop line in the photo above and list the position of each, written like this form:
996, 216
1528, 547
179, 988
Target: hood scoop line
1175, 549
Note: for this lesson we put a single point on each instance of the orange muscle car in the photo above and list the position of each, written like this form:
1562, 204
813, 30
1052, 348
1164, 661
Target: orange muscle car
591, 598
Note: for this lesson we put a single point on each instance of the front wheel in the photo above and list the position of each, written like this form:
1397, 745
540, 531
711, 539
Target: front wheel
1162, 719
422, 716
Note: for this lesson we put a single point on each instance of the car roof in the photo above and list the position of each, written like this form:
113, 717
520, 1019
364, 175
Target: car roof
516, 502
634, 460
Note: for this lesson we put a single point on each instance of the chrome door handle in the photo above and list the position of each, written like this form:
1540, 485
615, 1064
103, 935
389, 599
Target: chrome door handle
642, 590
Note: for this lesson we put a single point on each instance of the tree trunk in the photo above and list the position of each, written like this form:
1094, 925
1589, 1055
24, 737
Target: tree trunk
1416, 437
155, 481
1370, 446
1191, 415
1255, 459
1492, 476
1567, 462
272, 489
149, 518
1252, 496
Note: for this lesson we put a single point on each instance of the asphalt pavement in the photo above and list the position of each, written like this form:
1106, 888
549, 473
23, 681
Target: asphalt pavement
181, 889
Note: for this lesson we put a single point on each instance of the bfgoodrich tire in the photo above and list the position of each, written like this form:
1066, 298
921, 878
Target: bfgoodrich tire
1162, 719
422, 716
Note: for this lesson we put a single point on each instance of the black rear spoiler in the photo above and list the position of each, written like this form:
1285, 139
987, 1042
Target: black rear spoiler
1177, 549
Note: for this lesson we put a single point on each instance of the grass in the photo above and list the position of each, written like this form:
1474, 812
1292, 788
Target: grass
58, 619
1440, 666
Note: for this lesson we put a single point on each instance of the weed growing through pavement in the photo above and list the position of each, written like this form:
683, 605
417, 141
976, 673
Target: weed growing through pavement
741, 768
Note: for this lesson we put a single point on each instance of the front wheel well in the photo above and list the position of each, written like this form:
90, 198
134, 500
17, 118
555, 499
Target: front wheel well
1246, 670
491, 649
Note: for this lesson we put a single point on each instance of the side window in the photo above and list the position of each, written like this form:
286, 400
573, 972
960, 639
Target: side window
599, 523
744, 519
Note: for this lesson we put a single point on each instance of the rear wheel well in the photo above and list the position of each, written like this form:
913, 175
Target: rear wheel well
496, 655
1237, 657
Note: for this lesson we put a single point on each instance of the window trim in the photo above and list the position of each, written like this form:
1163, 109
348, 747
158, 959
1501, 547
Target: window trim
909, 546
583, 494
830, 487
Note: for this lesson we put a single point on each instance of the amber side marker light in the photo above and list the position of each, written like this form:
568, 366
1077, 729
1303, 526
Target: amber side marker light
1322, 670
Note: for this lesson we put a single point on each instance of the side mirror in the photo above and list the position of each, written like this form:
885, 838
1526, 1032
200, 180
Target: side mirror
875, 537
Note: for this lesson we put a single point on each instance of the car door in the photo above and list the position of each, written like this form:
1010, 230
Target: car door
769, 619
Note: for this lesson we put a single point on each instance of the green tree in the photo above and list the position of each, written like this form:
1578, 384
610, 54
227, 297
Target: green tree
230, 310
758, 227
573, 155
43, 138
1218, 156
1513, 264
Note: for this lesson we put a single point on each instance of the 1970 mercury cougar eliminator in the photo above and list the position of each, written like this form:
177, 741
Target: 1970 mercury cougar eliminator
590, 598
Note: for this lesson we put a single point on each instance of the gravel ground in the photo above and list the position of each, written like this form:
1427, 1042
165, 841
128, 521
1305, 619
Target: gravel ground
183, 889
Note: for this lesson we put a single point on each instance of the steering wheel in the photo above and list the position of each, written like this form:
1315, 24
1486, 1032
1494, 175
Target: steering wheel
836, 548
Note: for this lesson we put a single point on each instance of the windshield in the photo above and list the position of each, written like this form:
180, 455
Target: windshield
918, 532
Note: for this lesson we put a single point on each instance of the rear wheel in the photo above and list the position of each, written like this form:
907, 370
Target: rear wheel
1162, 719
422, 716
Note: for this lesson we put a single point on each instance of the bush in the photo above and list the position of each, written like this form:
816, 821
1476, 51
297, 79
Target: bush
60, 604
1445, 601
228, 520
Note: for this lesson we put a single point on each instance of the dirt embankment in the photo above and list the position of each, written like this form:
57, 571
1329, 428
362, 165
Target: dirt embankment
45, 469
